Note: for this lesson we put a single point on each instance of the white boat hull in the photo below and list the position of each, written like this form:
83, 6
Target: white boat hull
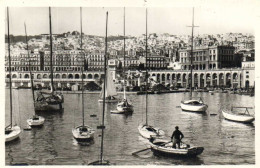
14, 134
149, 131
125, 108
194, 108
82, 136
168, 150
35, 122
237, 117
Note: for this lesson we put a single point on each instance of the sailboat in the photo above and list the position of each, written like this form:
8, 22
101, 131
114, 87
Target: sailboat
12, 132
245, 117
194, 105
101, 160
124, 106
49, 101
35, 120
110, 89
148, 131
82, 132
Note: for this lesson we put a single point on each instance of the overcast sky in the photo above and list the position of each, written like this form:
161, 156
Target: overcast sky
160, 20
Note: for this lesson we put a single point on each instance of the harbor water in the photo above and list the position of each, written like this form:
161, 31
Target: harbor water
224, 142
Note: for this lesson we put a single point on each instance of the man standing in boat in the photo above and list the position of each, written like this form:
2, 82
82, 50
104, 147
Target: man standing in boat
176, 137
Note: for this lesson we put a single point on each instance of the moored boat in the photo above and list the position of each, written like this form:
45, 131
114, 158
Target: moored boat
193, 106
35, 121
49, 101
148, 131
239, 117
83, 133
12, 133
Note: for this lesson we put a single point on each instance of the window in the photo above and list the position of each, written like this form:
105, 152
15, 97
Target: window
247, 76
247, 72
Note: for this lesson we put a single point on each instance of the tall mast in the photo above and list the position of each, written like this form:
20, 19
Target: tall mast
191, 54
52, 85
82, 85
10, 73
146, 73
29, 61
103, 113
124, 57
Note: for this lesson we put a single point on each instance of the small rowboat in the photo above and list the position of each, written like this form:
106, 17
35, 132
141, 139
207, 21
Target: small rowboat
162, 147
148, 131
239, 117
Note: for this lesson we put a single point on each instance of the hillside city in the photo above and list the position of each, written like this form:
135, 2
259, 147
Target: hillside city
164, 50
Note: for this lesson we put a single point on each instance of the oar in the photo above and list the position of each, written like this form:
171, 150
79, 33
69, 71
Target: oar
135, 153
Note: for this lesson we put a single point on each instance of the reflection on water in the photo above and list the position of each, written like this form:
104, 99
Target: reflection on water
225, 142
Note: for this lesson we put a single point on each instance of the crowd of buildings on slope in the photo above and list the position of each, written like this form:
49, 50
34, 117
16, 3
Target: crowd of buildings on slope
164, 52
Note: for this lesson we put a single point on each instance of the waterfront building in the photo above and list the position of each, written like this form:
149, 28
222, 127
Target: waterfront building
155, 61
248, 74
207, 58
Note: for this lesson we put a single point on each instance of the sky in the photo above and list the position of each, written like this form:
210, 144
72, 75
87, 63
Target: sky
172, 20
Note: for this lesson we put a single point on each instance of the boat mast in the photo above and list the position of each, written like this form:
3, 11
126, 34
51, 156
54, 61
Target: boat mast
10, 73
146, 74
82, 68
103, 113
52, 85
191, 54
124, 57
29, 61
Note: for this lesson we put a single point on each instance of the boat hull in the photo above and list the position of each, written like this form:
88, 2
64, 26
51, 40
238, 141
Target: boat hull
150, 131
194, 108
108, 101
82, 136
125, 109
14, 134
237, 118
34, 123
44, 106
163, 147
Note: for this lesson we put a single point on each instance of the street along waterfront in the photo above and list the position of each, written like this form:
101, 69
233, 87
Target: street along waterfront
224, 142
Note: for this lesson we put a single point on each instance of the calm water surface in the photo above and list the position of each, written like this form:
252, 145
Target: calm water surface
225, 142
